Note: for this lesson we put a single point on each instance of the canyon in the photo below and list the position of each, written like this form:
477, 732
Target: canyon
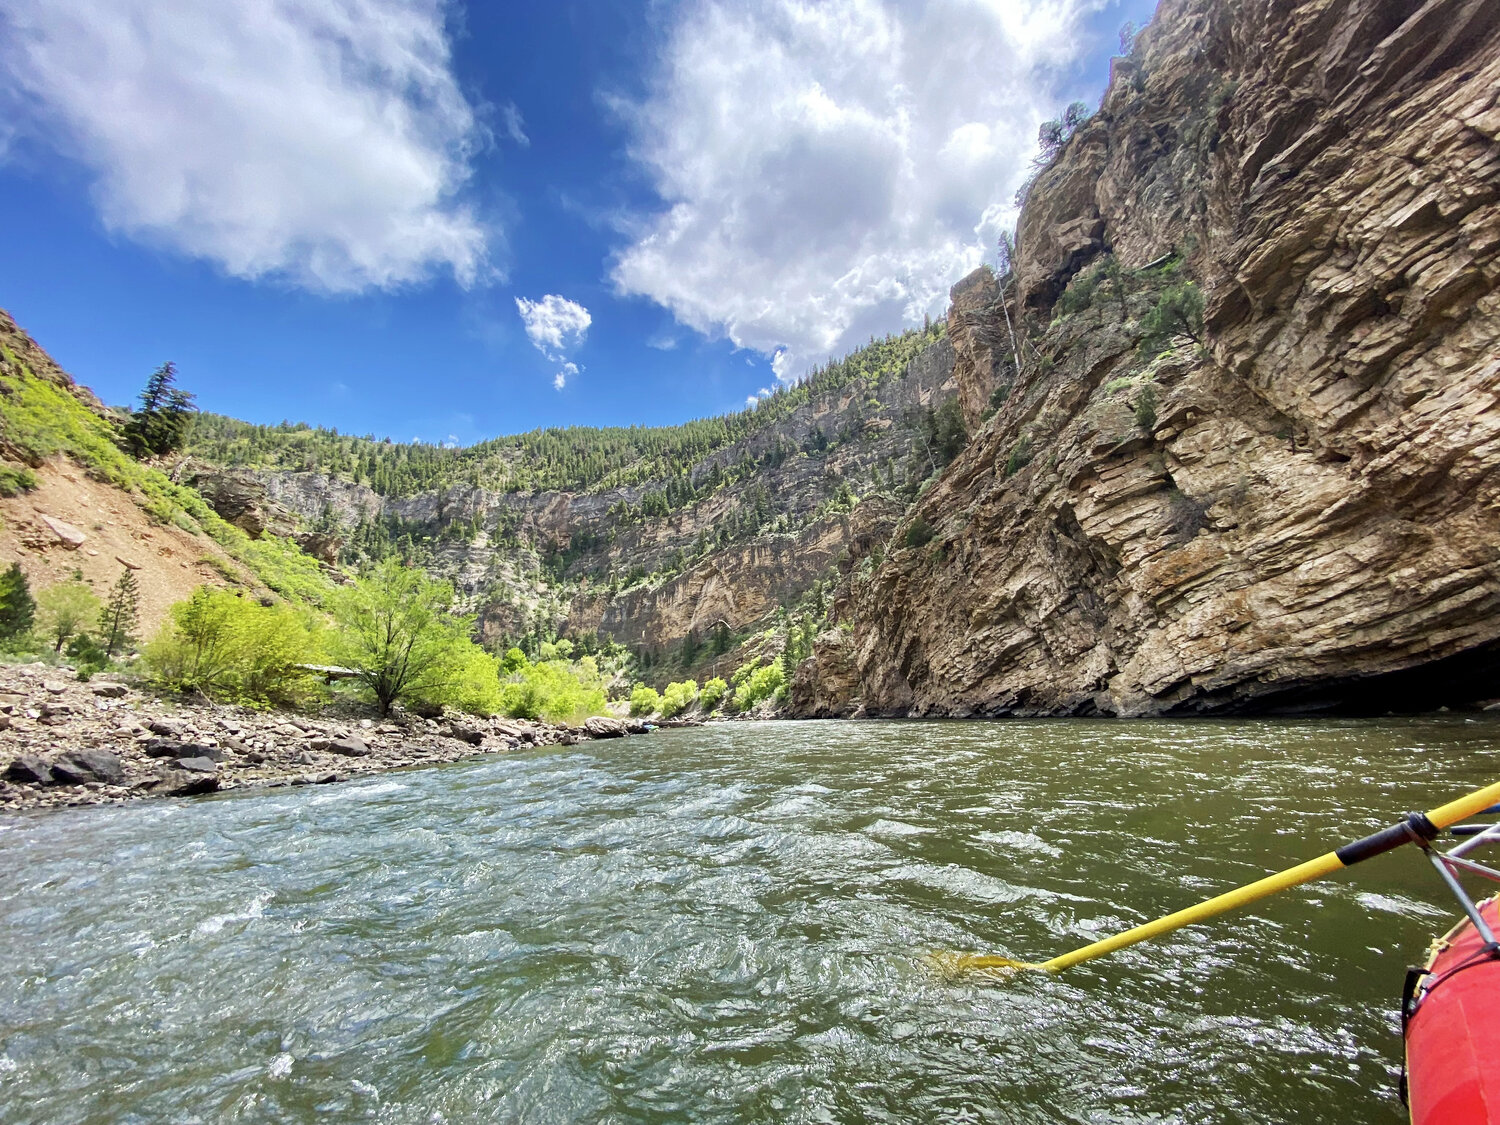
1221, 435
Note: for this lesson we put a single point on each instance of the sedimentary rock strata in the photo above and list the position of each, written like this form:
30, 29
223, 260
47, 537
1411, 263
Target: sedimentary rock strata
1302, 501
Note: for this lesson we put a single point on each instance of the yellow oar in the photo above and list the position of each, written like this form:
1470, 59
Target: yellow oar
1417, 826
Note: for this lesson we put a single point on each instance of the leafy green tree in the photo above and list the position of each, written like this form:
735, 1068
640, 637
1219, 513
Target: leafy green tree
17, 606
225, 646
644, 700
65, 610
678, 698
395, 628
160, 426
762, 682
121, 614
712, 693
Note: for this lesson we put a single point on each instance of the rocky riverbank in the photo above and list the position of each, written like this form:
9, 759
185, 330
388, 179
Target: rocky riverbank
65, 742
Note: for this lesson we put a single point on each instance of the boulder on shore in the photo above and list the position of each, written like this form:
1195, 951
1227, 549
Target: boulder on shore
472, 735
28, 769
185, 783
348, 746
173, 748
77, 767
601, 727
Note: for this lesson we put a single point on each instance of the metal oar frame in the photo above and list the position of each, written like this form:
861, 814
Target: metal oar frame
1448, 864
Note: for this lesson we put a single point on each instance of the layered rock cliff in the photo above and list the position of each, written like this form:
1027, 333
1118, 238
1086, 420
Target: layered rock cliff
1300, 507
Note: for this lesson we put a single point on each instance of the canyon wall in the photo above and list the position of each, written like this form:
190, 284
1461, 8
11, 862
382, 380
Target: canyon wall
1299, 508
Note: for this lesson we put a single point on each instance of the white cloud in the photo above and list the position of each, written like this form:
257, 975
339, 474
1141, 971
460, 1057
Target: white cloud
322, 142
515, 127
751, 400
556, 327
828, 169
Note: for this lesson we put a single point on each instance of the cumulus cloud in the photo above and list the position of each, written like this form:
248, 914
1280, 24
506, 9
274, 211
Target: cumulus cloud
556, 327
321, 142
828, 169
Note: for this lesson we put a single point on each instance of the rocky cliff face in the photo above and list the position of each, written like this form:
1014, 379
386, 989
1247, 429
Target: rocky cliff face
568, 556
981, 342
1300, 508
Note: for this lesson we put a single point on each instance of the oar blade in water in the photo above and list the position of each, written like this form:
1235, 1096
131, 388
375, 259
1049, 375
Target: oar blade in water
956, 964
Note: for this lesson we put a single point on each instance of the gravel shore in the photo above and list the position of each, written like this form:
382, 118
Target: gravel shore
64, 742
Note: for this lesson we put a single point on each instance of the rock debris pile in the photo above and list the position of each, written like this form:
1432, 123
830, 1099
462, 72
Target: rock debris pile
63, 742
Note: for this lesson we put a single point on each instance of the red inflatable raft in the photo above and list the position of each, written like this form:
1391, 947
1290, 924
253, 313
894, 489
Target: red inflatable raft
1453, 1030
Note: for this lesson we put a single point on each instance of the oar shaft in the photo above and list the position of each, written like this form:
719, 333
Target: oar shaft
1414, 827
1229, 900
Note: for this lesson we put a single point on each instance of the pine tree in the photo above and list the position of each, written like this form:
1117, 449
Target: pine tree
17, 606
117, 622
160, 425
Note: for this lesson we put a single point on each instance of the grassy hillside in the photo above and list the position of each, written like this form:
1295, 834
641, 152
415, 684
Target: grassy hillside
43, 417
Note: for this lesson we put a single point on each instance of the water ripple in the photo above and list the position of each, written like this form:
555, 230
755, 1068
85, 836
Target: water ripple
732, 925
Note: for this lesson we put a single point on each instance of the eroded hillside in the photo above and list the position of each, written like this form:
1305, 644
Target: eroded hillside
73, 504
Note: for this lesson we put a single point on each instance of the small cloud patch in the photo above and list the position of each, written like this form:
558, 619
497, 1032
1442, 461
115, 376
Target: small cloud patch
556, 327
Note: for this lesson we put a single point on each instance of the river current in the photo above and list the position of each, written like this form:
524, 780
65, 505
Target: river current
733, 924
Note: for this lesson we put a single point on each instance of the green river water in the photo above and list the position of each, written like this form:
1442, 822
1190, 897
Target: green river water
730, 924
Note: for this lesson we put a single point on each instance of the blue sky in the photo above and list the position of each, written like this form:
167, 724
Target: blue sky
441, 221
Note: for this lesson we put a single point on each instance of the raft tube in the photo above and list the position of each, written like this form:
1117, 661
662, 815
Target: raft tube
1452, 1029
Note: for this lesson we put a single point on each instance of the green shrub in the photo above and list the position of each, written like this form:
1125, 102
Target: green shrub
14, 481
1020, 456
919, 533
552, 689
87, 655
1079, 295
761, 683
678, 698
713, 691
232, 649
644, 701
1145, 408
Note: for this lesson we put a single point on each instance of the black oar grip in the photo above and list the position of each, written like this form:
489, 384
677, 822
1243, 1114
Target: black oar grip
1415, 828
